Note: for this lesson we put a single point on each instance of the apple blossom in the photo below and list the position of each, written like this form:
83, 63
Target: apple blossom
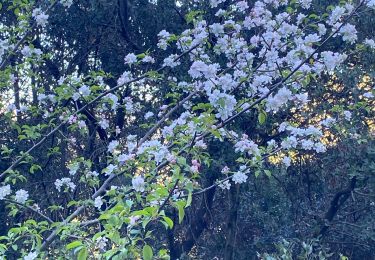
5, 191
138, 184
21, 196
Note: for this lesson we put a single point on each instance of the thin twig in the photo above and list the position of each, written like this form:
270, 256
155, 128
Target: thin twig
31, 209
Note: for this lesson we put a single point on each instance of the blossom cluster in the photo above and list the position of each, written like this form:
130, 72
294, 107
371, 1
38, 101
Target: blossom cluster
40, 17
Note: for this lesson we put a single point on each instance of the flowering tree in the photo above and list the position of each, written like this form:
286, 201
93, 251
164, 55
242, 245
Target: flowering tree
126, 159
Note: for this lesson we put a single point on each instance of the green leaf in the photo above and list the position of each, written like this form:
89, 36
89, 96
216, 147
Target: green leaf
189, 199
82, 254
191, 16
154, 74
104, 216
181, 161
74, 244
285, 73
147, 252
181, 211
314, 16
268, 173
262, 116
72, 203
34, 168
141, 55
113, 220
190, 189
168, 221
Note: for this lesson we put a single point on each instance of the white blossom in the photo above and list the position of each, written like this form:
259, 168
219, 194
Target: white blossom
271, 144
130, 59
332, 60
171, 61
246, 145
305, 3
242, 6
289, 142
103, 123
59, 183
302, 98
112, 146
320, 148
117, 130
215, 3
370, 42
66, 3
313, 131
21, 196
98, 202
11, 108
328, 122
81, 124
113, 99
163, 39
26, 51
40, 17
300, 18
109, 169
133, 220
239, 177
371, 3
280, 99
138, 183
92, 174
23, 108
194, 169
307, 144
368, 95
148, 59
101, 243
224, 103
155, 150
149, 115
286, 161
336, 15
200, 144
283, 126
347, 115
123, 158
76, 96
217, 29
225, 170
41, 97
129, 105
4, 191
31, 256
125, 78
199, 69
84, 91
349, 33
225, 185
322, 29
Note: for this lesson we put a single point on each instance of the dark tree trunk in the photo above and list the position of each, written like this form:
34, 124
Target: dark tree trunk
232, 223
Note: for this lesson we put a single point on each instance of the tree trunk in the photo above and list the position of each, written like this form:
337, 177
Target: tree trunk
232, 223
